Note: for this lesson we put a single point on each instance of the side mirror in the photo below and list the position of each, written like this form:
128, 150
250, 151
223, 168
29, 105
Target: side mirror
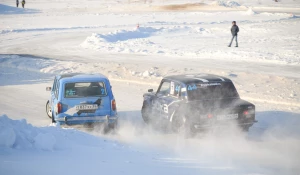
48, 88
150, 90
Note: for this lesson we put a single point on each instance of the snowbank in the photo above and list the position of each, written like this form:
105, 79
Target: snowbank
18, 134
123, 35
5, 9
137, 40
205, 39
7, 137
250, 12
128, 41
226, 3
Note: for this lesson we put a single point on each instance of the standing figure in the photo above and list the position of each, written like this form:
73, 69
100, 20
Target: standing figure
234, 31
23, 3
17, 2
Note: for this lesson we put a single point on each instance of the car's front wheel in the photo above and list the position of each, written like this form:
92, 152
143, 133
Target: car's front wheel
146, 113
48, 109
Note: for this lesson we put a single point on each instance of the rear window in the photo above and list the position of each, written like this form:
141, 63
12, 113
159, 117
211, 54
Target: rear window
85, 89
211, 91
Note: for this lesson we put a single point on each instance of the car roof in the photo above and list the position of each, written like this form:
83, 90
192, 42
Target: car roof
81, 77
197, 78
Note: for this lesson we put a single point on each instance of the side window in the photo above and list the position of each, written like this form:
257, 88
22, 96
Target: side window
164, 88
175, 89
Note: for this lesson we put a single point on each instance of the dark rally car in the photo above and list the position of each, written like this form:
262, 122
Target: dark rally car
197, 101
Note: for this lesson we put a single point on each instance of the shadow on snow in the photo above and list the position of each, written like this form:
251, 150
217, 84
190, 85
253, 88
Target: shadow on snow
9, 10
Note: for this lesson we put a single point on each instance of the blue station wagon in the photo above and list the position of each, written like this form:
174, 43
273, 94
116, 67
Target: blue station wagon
82, 99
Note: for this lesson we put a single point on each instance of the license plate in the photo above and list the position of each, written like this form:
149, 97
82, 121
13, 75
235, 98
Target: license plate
227, 116
86, 107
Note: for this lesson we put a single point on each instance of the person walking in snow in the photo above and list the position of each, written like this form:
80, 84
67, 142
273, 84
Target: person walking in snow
234, 31
17, 1
23, 3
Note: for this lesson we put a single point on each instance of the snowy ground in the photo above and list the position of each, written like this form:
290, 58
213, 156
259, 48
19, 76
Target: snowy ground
51, 37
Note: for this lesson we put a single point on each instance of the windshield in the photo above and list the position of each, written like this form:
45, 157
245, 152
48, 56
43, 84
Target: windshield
211, 91
84, 89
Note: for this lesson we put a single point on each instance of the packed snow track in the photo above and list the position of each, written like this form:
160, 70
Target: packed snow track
135, 148
135, 44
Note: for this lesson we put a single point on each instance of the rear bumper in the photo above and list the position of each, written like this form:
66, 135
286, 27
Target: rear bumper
214, 125
70, 120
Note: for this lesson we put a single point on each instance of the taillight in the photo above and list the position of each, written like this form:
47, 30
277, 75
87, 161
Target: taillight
113, 105
209, 116
59, 107
246, 112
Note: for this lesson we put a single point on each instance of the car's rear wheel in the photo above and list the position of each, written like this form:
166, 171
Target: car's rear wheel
245, 128
113, 126
53, 118
48, 109
182, 126
110, 128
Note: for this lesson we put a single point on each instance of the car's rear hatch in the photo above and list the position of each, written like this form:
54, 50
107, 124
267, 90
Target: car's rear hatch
91, 106
86, 99
219, 110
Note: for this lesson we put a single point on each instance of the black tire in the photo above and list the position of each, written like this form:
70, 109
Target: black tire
110, 128
146, 113
48, 110
113, 126
176, 124
182, 126
245, 128
52, 118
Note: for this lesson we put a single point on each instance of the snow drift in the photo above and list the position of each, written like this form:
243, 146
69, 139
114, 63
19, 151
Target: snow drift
18, 134
123, 35
250, 12
139, 40
127, 41
226, 3
203, 35
5, 10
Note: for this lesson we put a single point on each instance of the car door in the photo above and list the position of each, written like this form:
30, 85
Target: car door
167, 96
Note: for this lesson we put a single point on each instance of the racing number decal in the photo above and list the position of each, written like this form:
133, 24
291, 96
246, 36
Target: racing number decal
165, 108
156, 105
161, 107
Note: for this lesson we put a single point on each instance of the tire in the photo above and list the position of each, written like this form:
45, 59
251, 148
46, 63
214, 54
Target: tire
110, 128
146, 113
245, 128
113, 126
182, 126
52, 118
48, 110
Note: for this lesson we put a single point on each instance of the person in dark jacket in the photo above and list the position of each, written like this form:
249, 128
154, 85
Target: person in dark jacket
23, 3
17, 2
234, 31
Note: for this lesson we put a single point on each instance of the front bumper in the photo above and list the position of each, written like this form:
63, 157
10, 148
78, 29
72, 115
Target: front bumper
70, 120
